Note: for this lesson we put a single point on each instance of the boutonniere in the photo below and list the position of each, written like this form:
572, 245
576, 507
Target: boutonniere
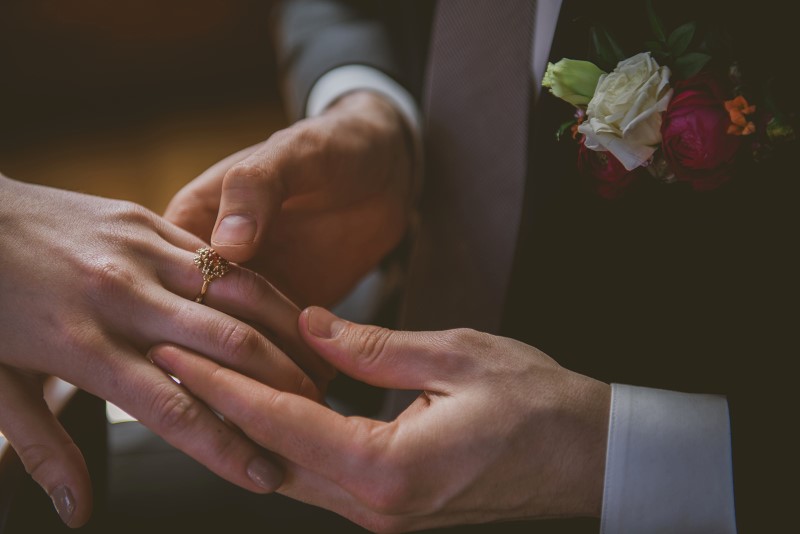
668, 112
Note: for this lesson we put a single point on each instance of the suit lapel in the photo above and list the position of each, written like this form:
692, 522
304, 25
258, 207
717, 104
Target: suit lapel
478, 89
549, 160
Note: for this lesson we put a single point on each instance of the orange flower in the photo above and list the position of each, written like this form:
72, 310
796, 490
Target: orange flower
580, 116
738, 109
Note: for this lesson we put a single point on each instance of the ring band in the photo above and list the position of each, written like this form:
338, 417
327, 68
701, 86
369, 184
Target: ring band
212, 265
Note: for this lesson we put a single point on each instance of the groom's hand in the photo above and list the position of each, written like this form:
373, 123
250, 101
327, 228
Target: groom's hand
314, 207
500, 432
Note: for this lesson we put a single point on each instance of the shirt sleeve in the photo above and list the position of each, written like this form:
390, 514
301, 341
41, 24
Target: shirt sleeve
342, 80
668, 464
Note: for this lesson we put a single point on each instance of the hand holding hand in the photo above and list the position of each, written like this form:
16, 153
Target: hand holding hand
88, 285
313, 208
500, 431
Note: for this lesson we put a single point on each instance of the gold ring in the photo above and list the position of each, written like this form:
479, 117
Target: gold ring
212, 265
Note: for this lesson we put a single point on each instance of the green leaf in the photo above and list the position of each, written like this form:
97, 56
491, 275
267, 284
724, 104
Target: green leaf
603, 52
690, 64
655, 22
663, 58
608, 52
619, 55
564, 128
655, 46
680, 38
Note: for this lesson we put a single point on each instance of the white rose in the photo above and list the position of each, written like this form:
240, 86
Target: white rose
624, 115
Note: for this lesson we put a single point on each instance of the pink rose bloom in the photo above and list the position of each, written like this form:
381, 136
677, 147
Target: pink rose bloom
694, 134
609, 175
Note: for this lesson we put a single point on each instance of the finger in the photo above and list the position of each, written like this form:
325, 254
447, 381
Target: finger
240, 292
251, 196
223, 338
46, 450
291, 426
196, 205
386, 358
152, 397
141, 309
248, 296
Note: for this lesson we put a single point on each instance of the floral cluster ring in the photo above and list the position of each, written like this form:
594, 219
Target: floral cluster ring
212, 266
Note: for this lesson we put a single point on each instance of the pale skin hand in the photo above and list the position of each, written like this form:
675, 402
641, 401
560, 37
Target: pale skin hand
500, 432
88, 285
314, 207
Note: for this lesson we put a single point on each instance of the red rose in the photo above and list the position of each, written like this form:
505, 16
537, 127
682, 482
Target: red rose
694, 134
609, 175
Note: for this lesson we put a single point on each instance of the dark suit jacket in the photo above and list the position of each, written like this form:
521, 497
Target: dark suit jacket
664, 288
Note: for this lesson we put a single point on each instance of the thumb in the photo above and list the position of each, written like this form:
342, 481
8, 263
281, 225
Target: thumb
195, 206
251, 197
45, 449
383, 357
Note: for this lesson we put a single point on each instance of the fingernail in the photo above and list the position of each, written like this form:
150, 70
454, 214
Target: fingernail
265, 474
64, 503
235, 230
324, 324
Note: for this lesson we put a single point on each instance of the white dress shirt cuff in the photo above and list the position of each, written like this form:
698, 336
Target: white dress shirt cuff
668, 465
342, 80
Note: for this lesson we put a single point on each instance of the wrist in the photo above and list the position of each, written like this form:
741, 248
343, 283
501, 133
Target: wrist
370, 108
368, 125
590, 402
387, 129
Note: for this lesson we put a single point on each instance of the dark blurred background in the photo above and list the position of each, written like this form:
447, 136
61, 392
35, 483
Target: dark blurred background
132, 98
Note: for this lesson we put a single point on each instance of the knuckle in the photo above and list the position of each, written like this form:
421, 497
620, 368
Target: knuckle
307, 388
238, 342
184, 205
80, 338
244, 174
106, 281
35, 457
132, 213
301, 144
370, 343
461, 351
223, 443
42, 462
467, 340
251, 286
175, 411
301, 135
247, 175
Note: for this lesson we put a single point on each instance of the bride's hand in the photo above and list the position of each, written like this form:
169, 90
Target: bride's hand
88, 285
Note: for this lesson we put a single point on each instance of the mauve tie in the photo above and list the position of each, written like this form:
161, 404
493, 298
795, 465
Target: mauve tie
476, 106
